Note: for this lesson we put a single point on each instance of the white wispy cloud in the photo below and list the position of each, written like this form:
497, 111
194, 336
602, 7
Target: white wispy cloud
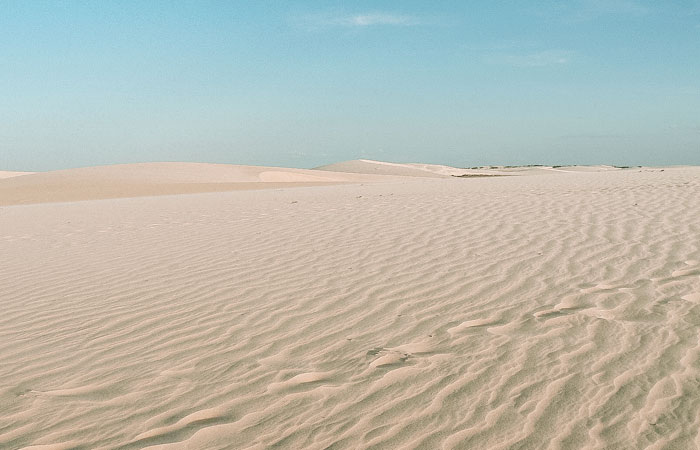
360, 20
533, 59
366, 20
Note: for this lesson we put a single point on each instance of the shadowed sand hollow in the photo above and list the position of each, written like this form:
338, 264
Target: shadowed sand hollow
556, 309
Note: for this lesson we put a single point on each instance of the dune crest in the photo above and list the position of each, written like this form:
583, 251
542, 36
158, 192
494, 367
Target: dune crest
12, 174
165, 178
367, 166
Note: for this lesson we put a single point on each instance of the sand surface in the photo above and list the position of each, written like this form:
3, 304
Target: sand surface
557, 309
11, 174
388, 168
164, 178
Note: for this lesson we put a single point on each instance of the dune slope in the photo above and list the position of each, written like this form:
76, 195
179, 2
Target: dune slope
12, 174
386, 168
555, 311
164, 178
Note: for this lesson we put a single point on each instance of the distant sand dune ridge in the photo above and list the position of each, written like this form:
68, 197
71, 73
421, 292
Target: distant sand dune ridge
10, 174
163, 178
559, 310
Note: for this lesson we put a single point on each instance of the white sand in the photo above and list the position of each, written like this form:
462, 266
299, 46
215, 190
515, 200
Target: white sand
11, 174
555, 309
388, 168
164, 178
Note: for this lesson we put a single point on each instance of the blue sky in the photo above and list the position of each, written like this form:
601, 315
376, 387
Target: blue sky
307, 83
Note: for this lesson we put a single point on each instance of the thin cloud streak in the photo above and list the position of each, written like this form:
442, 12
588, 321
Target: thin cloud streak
361, 20
366, 20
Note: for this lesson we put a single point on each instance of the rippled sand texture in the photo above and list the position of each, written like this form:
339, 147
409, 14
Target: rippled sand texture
557, 310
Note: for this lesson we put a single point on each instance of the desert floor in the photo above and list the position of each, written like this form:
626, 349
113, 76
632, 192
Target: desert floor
553, 308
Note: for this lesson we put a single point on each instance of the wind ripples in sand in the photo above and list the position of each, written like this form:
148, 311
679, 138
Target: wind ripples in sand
551, 311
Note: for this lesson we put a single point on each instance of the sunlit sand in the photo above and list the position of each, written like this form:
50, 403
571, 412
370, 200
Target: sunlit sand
365, 305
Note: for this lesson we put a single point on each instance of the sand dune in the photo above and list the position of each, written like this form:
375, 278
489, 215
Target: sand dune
148, 179
366, 166
558, 310
387, 168
11, 174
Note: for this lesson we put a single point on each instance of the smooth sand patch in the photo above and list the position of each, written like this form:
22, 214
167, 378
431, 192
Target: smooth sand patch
152, 179
9, 174
385, 168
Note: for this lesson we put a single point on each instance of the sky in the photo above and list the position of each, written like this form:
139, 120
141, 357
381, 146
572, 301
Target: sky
307, 83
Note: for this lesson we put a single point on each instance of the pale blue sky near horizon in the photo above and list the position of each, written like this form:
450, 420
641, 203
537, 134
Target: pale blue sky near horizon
307, 83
